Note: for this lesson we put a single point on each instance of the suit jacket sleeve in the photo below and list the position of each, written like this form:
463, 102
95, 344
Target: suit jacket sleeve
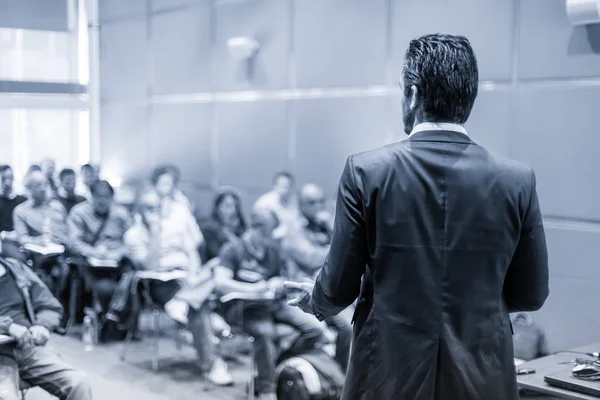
338, 283
526, 283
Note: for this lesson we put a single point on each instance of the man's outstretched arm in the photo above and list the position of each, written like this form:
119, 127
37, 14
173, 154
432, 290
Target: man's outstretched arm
338, 283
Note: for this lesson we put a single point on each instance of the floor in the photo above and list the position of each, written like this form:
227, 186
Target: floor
177, 379
133, 379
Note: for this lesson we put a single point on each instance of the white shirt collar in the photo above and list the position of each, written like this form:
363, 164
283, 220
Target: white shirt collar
438, 126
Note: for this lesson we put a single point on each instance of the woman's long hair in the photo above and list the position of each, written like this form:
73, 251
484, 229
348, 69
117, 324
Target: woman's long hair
223, 193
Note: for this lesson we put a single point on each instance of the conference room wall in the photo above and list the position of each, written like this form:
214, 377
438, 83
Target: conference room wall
324, 85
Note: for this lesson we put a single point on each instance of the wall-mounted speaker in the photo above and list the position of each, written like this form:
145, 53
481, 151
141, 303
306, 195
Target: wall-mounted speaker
583, 12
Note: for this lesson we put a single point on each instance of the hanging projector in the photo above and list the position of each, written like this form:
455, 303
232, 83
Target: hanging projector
583, 12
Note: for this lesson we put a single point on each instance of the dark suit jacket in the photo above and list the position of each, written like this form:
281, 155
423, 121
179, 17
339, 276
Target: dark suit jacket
446, 240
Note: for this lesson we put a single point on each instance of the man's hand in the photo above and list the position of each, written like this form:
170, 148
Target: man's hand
304, 299
21, 334
40, 335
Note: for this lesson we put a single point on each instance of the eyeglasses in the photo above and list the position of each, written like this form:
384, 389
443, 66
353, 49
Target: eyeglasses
314, 202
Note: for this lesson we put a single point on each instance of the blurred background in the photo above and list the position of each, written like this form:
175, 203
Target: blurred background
131, 84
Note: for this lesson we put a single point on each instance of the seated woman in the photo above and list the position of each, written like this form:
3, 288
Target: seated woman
167, 243
165, 180
226, 223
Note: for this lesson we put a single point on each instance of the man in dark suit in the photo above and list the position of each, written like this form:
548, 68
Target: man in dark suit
446, 239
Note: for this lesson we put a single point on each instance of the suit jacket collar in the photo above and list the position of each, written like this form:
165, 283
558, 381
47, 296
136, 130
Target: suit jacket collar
439, 136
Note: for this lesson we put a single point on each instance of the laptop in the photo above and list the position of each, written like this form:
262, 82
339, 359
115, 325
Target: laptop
564, 380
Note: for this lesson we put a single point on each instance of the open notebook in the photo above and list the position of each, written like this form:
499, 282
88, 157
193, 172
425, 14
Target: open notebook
4, 339
45, 250
97, 263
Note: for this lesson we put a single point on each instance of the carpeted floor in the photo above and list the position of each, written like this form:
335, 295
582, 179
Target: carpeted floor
178, 377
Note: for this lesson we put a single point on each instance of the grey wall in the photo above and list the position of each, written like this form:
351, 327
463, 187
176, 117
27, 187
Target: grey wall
324, 86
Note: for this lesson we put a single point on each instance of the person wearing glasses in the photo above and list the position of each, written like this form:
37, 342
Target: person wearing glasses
308, 247
159, 245
254, 266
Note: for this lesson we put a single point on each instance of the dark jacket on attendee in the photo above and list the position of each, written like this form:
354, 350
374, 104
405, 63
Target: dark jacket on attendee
67, 200
46, 309
447, 240
7, 207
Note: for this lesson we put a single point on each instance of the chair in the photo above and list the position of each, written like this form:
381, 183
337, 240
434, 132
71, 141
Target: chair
237, 329
141, 283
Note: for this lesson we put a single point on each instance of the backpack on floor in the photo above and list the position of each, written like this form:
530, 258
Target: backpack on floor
529, 341
313, 375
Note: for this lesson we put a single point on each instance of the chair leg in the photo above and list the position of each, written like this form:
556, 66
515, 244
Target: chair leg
251, 388
156, 322
128, 339
73, 300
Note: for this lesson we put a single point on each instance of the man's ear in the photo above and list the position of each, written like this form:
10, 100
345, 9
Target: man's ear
414, 92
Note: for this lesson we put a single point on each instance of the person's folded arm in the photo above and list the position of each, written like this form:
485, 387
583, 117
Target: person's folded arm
338, 283
307, 256
20, 227
48, 310
526, 282
5, 323
77, 231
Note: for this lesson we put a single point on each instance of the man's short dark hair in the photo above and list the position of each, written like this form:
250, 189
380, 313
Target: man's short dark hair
87, 167
4, 167
66, 172
99, 184
444, 70
284, 174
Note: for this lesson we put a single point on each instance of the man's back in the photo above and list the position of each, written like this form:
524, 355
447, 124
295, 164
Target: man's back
443, 221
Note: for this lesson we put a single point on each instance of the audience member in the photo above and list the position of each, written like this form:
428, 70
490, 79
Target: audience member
165, 180
308, 247
96, 231
33, 168
90, 174
8, 199
282, 201
226, 223
66, 191
41, 219
48, 166
254, 265
156, 245
28, 313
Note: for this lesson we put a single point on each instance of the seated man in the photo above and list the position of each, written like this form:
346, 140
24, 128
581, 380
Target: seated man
154, 246
254, 265
308, 247
96, 231
29, 316
65, 193
8, 199
41, 220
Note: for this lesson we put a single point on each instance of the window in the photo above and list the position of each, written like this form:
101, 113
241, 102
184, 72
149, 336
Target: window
29, 55
30, 135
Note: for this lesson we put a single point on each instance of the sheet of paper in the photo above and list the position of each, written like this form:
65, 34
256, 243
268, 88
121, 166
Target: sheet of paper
47, 249
96, 263
163, 276
4, 339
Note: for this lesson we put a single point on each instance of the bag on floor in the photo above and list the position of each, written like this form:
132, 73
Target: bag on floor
529, 341
313, 375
